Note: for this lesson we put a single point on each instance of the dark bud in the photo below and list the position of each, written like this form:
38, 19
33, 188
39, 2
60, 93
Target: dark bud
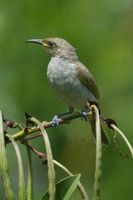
9, 123
109, 122
29, 123
27, 116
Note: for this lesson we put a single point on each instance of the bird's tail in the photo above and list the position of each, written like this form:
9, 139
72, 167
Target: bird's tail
105, 139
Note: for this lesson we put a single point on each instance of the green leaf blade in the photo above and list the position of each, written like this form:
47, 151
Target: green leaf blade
29, 195
4, 164
64, 188
51, 170
21, 193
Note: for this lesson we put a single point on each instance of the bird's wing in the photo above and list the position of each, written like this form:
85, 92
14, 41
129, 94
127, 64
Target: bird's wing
87, 80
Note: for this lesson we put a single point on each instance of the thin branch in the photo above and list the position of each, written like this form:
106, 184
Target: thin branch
65, 119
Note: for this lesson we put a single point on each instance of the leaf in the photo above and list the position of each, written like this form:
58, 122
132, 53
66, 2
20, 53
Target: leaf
80, 186
21, 193
51, 170
98, 168
64, 188
124, 138
4, 164
30, 177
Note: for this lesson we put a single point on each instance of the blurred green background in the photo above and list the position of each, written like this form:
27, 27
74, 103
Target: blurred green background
102, 32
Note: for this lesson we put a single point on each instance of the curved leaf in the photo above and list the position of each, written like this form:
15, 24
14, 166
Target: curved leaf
51, 170
29, 184
80, 186
98, 168
64, 188
4, 164
21, 193
124, 138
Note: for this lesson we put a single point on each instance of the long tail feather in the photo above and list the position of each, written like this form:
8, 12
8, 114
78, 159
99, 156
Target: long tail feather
105, 139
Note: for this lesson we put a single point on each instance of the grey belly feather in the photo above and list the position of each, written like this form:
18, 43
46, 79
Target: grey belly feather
64, 81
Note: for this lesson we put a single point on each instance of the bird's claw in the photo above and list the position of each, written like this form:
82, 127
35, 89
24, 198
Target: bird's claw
55, 121
84, 115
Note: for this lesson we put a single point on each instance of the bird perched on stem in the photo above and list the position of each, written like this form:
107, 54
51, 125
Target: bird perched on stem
69, 78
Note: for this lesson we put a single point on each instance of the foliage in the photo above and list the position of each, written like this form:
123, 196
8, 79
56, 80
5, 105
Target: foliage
63, 189
102, 33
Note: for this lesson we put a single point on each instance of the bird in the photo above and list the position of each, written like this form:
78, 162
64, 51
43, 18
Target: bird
71, 79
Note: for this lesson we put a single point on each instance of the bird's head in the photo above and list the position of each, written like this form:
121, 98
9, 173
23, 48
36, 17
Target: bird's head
56, 47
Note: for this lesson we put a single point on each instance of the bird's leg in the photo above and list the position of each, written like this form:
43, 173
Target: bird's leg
84, 113
87, 110
71, 110
56, 118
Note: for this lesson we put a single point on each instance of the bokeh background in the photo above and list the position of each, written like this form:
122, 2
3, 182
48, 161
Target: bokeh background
102, 32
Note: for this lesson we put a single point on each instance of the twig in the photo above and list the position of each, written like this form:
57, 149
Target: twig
21, 134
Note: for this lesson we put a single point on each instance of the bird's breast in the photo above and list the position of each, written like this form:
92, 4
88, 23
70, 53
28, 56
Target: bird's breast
61, 73
63, 77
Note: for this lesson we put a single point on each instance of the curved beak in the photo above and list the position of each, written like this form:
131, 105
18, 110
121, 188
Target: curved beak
38, 41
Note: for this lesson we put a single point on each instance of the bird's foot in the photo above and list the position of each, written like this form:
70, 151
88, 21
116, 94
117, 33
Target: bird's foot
55, 121
84, 115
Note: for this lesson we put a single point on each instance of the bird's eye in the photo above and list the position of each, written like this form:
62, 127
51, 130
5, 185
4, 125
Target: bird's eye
51, 44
